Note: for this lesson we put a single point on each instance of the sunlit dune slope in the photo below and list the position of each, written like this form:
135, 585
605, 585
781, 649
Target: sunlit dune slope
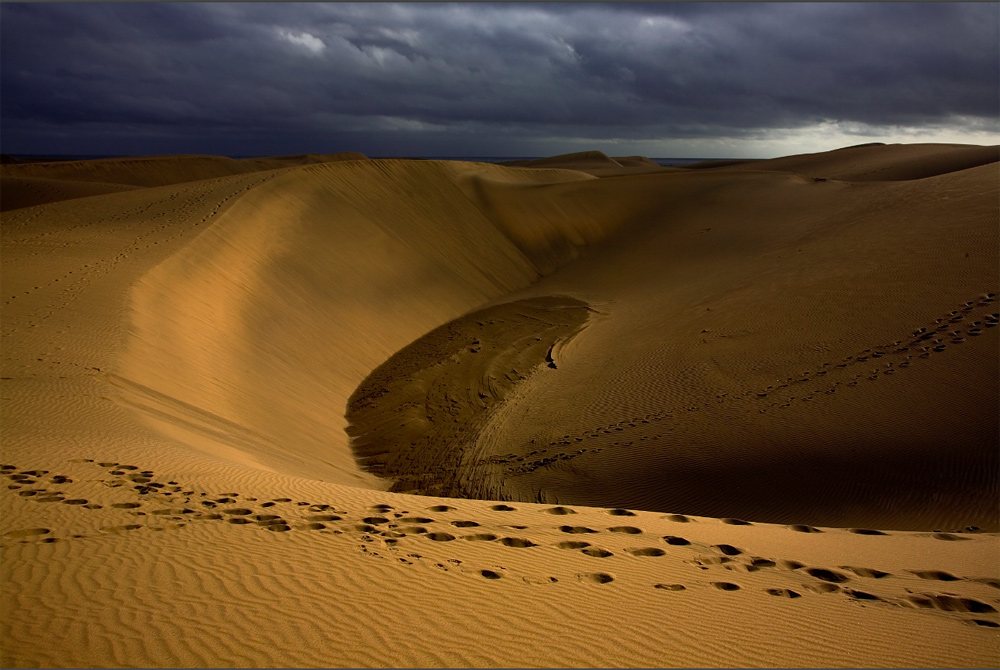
270, 319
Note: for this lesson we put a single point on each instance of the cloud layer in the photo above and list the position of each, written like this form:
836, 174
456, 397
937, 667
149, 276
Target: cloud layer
490, 79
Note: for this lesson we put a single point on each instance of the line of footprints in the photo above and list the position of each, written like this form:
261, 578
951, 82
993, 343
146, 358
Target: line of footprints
383, 532
956, 327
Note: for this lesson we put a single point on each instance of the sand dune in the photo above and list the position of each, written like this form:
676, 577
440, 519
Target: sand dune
742, 416
157, 170
17, 192
596, 163
878, 162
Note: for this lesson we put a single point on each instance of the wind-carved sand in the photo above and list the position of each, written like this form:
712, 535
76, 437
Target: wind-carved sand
747, 409
416, 418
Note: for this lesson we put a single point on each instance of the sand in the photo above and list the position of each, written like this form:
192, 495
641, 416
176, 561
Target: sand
322, 410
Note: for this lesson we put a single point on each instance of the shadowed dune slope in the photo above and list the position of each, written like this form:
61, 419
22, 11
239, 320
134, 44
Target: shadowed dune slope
764, 346
574, 161
156, 170
17, 192
133, 171
274, 162
596, 163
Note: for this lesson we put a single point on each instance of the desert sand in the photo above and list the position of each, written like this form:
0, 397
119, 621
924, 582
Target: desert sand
331, 411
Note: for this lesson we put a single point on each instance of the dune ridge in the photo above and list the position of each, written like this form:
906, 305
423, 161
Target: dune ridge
41, 182
880, 162
230, 324
178, 488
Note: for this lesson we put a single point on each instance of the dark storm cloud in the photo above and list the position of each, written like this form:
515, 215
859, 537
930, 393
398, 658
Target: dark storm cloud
482, 78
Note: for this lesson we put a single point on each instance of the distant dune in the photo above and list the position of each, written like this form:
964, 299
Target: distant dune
596, 164
321, 410
38, 182
878, 162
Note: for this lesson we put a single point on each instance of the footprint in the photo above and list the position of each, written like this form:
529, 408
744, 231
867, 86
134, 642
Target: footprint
28, 532
860, 595
802, 528
597, 552
646, 551
481, 537
375, 520
489, 574
736, 522
126, 505
596, 577
461, 524
75, 501
570, 544
677, 518
951, 603
631, 530
784, 593
728, 549
670, 587
441, 508
237, 511
865, 531
441, 537
984, 622
726, 586
502, 508
117, 529
938, 575
948, 537
676, 541
826, 575
618, 511
324, 517
278, 527
559, 510
576, 529
267, 519
517, 542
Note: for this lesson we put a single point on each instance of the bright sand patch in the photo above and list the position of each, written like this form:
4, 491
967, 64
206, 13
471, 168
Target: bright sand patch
178, 488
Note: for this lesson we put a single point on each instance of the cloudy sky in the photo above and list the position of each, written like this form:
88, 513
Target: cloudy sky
477, 79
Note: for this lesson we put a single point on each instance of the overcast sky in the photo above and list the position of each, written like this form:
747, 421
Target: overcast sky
474, 79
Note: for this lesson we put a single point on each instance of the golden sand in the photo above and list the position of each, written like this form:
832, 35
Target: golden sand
321, 410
